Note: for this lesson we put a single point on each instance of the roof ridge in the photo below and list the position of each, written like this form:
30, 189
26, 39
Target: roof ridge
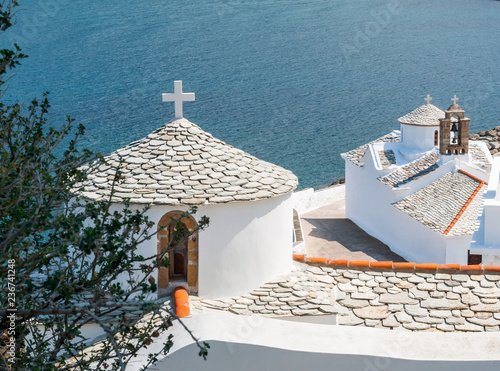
467, 203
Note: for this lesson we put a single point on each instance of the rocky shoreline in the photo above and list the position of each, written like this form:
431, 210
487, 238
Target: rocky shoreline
491, 138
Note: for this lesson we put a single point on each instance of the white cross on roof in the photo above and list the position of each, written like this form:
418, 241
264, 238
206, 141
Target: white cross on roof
428, 99
178, 97
454, 99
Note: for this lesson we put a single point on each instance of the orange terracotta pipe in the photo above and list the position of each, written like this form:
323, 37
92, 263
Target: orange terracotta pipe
181, 302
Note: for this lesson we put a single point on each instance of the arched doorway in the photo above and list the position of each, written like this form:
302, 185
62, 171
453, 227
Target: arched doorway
183, 252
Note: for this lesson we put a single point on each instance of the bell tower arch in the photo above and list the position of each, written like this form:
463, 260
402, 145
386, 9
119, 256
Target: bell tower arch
454, 131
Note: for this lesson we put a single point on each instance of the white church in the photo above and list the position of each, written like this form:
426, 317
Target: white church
420, 190
423, 190
249, 239
426, 191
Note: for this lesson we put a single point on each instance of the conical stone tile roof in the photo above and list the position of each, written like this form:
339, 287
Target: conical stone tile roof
426, 115
180, 164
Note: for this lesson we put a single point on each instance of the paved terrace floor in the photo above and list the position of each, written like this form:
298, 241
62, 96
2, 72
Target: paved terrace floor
329, 234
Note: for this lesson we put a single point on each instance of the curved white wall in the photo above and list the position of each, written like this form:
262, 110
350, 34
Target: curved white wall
258, 343
245, 245
418, 137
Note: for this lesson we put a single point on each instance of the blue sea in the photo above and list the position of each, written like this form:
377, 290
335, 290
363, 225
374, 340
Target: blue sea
293, 82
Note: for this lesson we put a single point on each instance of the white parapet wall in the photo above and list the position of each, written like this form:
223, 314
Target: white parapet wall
486, 238
258, 343
492, 207
308, 199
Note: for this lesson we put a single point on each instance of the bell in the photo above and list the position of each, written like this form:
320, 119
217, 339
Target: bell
454, 130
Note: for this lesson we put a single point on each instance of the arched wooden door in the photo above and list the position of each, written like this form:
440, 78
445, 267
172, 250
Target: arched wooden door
183, 255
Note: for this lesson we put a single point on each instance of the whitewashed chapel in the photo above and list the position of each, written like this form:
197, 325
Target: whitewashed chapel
248, 201
420, 189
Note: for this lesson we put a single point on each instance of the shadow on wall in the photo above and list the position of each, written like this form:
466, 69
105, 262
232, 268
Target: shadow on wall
343, 234
234, 356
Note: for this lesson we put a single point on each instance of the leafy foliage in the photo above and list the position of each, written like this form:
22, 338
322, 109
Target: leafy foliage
69, 256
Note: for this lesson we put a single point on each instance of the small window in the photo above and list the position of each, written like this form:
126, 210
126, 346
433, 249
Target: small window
436, 138
474, 259
179, 264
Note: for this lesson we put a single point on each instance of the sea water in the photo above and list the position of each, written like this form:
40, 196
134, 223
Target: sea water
293, 82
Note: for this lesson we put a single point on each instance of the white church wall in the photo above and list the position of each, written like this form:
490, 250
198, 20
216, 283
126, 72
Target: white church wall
124, 277
457, 248
491, 260
492, 207
89, 331
414, 241
245, 245
486, 239
418, 137
369, 205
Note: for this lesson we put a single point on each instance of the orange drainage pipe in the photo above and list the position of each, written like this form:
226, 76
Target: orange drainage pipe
181, 303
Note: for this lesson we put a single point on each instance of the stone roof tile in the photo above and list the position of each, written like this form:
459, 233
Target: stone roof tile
357, 154
387, 158
426, 115
412, 171
182, 164
439, 203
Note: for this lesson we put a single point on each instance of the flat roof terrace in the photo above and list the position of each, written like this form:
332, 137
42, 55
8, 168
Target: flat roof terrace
327, 233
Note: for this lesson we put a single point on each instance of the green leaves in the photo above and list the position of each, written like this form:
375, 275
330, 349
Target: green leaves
76, 262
